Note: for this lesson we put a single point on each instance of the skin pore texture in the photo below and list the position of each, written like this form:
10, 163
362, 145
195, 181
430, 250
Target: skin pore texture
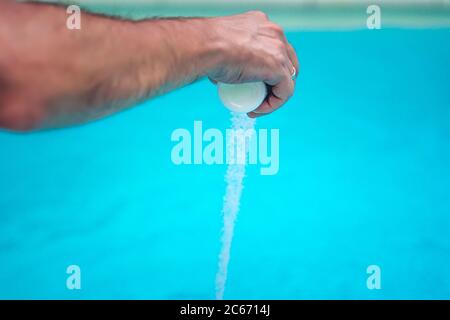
52, 77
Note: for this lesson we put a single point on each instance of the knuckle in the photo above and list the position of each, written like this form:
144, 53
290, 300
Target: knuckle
279, 45
277, 29
259, 14
280, 58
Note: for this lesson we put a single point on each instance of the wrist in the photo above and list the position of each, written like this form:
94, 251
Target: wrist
193, 47
213, 49
220, 47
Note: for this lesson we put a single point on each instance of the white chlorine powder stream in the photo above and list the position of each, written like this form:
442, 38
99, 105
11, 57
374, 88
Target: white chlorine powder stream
234, 178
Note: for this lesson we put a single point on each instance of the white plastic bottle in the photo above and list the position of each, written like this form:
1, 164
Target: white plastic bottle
243, 97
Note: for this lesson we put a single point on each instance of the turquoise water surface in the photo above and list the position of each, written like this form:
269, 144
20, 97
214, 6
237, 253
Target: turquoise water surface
364, 179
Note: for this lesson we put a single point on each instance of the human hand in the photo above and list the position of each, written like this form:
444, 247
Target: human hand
255, 49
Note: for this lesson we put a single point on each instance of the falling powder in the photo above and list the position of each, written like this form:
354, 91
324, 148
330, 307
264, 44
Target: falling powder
234, 180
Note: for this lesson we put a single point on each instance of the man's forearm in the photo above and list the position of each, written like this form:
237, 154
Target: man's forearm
58, 77
51, 76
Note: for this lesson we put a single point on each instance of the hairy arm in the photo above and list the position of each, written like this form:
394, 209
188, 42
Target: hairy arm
51, 76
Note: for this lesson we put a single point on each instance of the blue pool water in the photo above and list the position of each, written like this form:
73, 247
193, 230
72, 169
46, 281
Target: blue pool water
364, 179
